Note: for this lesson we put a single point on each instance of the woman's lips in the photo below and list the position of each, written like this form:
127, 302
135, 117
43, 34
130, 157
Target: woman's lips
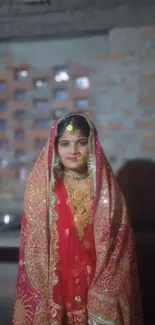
73, 158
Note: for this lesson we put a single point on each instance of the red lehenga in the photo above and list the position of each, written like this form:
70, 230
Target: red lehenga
72, 270
76, 252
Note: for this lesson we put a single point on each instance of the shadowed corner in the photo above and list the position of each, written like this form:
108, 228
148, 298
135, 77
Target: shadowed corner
9, 253
137, 181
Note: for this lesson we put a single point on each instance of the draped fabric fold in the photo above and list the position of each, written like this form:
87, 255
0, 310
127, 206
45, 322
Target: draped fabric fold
113, 295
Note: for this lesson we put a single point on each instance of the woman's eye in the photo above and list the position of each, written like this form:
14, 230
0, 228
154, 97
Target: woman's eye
83, 143
63, 144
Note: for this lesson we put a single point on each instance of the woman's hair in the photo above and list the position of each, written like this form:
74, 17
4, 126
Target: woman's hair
79, 122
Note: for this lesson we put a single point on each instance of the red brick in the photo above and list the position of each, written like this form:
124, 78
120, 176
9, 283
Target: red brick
79, 93
116, 126
3, 135
103, 57
8, 62
18, 145
78, 71
88, 113
3, 115
35, 74
145, 124
7, 174
6, 76
21, 65
6, 94
147, 101
21, 85
111, 56
37, 133
18, 125
128, 112
148, 148
130, 89
117, 56
4, 54
148, 112
16, 105
149, 77
104, 135
151, 89
149, 135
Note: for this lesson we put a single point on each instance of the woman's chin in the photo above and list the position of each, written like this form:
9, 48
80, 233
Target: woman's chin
77, 167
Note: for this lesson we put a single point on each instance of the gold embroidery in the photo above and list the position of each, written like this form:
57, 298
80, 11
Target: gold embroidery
77, 299
41, 314
113, 280
56, 314
80, 203
23, 314
36, 241
54, 245
107, 217
78, 317
35, 195
36, 258
35, 301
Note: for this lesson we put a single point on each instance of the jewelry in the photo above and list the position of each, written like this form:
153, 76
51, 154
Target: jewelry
70, 128
76, 178
90, 164
81, 204
56, 162
80, 159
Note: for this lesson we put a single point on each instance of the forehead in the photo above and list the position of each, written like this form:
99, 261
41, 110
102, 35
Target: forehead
68, 136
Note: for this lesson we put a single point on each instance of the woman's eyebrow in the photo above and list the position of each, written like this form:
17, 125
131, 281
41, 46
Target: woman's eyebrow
77, 138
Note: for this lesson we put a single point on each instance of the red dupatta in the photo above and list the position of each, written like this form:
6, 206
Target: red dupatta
113, 297
76, 264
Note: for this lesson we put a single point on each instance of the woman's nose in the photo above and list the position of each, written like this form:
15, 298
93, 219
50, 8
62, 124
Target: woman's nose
73, 149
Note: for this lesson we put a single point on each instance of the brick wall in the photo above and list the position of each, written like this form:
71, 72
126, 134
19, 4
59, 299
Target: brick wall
121, 68
125, 88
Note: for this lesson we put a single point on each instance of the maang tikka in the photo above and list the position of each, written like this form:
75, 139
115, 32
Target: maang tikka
70, 128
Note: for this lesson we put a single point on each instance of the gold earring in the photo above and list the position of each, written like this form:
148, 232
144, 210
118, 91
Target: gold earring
56, 162
80, 159
90, 164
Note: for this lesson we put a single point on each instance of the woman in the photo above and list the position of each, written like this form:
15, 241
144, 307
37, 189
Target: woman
77, 263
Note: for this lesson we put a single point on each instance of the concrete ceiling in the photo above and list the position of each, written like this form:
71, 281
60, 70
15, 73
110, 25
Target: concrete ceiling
29, 19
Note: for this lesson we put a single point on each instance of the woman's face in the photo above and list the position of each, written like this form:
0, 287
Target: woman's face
73, 150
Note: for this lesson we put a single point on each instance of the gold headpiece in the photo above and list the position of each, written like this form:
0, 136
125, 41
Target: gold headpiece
70, 128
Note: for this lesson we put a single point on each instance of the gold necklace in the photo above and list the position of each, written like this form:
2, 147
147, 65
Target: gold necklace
76, 178
81, 204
